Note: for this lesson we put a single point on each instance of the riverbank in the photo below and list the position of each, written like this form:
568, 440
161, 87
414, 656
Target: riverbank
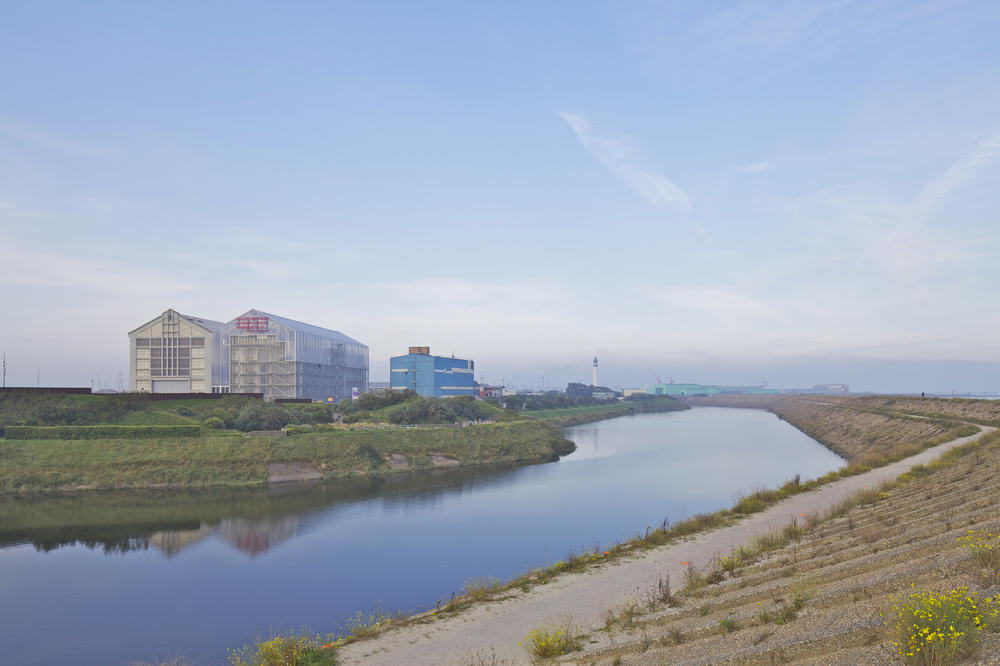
236, 460
311, 452
868, 431
792, 556
572, 416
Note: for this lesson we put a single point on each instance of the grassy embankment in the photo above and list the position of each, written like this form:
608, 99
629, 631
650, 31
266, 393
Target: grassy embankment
224, 456
864, 430
905, 573
864, 438
27, 465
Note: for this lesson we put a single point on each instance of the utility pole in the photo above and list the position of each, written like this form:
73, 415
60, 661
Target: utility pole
38, 377
5, 369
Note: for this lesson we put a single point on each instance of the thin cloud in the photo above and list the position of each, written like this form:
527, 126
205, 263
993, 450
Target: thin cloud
49, 141
613, 154
959, 173
758, 167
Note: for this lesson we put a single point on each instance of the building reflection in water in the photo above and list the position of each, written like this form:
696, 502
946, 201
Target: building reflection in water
250, 536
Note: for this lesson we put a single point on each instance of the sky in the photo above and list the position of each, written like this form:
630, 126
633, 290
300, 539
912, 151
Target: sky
718, 192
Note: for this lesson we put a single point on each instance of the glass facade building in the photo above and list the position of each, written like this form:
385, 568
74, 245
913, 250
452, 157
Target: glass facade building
259, 352
432, 376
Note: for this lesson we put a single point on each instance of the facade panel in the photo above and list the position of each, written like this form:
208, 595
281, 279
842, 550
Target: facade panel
432, 376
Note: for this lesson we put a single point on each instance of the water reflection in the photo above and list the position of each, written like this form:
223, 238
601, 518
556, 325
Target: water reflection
225, 565
251, 520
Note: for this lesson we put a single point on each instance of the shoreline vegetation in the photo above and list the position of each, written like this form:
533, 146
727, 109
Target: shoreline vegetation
867, 432
67, 443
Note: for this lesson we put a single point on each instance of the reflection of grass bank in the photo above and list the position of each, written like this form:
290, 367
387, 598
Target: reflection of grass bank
228, 460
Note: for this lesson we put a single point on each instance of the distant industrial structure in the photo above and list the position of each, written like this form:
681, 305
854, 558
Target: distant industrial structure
595, 373
256, 352
703, 389
432, 376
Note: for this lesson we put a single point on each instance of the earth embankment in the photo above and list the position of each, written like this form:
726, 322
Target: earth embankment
864, 431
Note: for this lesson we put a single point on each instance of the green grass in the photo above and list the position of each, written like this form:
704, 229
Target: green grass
155, 417
220, 459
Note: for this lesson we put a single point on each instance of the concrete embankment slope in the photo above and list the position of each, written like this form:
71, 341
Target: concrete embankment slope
494, 629
869, 430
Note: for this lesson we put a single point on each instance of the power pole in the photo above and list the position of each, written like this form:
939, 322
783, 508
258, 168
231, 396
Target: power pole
5, 369
38, 377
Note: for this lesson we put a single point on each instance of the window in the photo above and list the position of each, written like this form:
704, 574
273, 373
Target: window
142, 342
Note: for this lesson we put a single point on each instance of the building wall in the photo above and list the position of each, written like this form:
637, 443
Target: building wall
258, 352
170, 354
253, 353
432, 376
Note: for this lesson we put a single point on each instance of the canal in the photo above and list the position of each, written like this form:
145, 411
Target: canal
113, 578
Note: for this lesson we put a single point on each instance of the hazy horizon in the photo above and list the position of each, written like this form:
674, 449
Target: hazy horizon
716, 192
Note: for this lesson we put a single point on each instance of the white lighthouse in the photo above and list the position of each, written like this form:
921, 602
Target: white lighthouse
595, 372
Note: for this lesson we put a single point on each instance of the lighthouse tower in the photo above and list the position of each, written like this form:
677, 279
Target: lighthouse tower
595, 372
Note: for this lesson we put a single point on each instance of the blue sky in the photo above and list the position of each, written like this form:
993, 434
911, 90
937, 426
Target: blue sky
713, 192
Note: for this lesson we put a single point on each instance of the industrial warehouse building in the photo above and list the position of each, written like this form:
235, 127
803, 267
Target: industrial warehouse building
432, 376
256, 352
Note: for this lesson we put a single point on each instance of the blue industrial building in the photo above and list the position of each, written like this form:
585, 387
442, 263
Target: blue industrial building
432, 376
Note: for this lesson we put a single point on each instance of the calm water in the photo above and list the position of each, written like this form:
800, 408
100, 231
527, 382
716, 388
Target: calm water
110, 578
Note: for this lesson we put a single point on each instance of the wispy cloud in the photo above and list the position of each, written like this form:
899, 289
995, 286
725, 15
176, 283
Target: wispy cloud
49, 141
758, 167
965, 169
614, 155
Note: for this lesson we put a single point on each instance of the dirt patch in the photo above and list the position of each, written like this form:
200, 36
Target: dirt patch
443, 461
281, 472
397, 461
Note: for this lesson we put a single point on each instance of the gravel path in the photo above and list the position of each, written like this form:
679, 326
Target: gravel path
496, 628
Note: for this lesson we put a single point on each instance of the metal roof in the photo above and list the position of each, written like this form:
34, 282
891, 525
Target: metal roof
207, 324
303, 327
210, 324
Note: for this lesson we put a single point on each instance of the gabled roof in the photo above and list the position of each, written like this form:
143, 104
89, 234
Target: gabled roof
207, 324
303, 327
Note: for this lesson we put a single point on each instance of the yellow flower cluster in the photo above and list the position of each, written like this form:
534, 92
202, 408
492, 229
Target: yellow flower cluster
548, 641
939, 628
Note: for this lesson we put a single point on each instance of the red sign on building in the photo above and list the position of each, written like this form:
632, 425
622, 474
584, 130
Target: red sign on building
252, 324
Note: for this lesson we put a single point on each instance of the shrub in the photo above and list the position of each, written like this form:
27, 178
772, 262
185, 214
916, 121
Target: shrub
550, 641
940, 628
293, 650
250, 417
727, 625
214, 423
